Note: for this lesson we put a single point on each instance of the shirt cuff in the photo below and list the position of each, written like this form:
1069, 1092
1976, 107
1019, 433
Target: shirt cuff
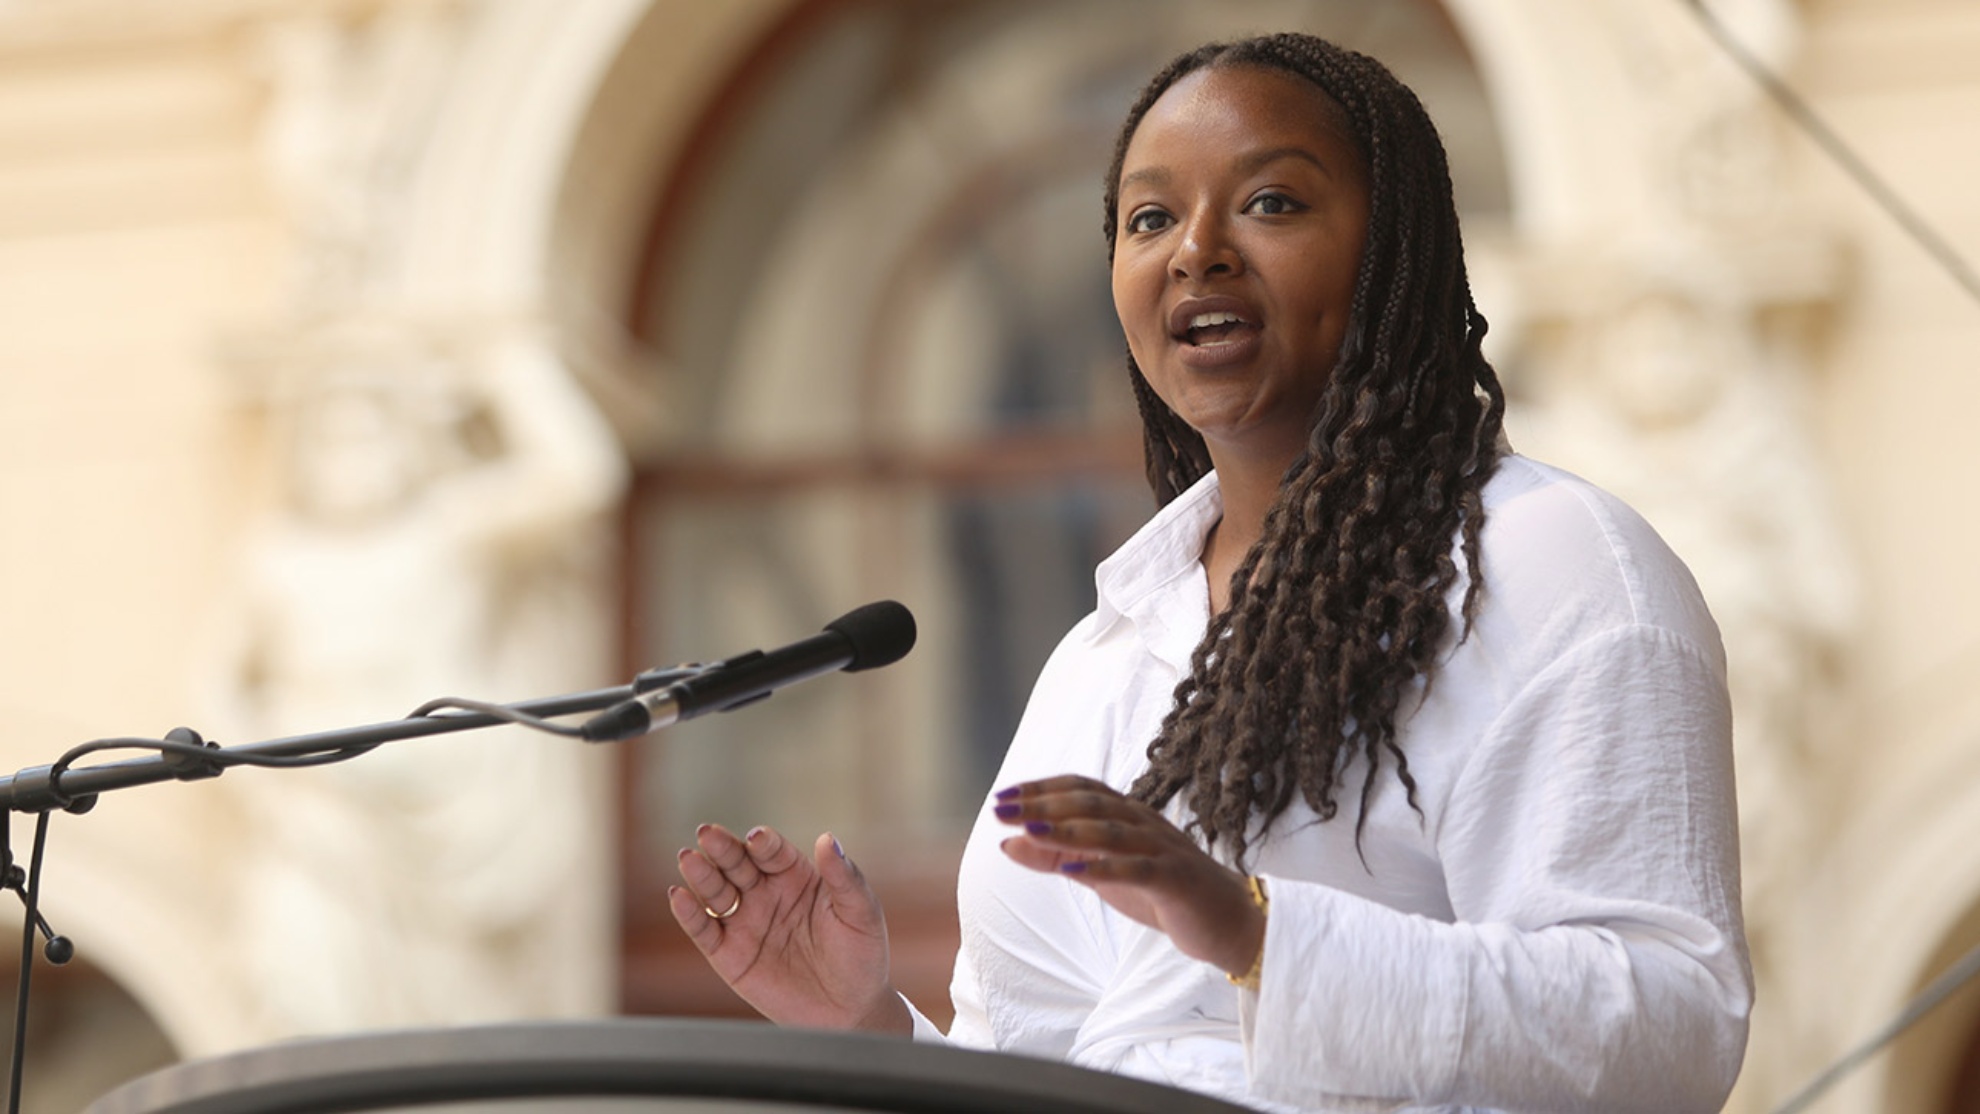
1353, 993
924, 1029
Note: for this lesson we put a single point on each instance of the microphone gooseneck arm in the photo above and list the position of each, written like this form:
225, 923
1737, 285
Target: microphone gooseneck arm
875, 635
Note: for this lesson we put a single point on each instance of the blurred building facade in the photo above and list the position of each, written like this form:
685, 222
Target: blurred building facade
356, 352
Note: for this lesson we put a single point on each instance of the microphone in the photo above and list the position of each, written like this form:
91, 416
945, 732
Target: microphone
864, 638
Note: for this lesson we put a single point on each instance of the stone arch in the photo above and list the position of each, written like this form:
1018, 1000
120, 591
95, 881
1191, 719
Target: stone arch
566, 118
118, 917
888, 235
86, 1033
1896, 902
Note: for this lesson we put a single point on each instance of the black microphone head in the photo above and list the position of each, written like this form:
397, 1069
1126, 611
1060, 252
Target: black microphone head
880, 633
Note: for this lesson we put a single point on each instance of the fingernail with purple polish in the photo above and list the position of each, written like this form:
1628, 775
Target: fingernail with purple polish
1007, 794
1077, 866
836, 849
1038, 827
751, 835
1008, 812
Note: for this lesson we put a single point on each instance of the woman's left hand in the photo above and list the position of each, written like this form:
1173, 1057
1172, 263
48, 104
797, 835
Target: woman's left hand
1135, 860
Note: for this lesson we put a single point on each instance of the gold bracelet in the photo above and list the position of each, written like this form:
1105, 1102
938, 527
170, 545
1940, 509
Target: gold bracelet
1249, 980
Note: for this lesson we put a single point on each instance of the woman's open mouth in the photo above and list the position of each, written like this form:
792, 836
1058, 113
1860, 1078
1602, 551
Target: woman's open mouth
1212, 328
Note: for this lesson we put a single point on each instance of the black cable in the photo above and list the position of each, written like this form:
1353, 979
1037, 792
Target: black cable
499, 711
215, 755
189, 758
1845, 156
20, 984
222, 758
229, 758
33, 898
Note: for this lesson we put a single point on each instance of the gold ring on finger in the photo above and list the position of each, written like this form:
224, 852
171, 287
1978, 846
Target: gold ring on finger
726, 913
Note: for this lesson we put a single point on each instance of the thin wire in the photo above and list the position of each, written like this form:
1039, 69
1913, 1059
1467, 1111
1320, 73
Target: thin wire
220, 757
1942, 988
32, 897
228, 758
1840, 151
499, 711
20, 1007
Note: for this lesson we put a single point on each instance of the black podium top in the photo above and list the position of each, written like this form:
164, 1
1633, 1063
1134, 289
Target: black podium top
636, 1065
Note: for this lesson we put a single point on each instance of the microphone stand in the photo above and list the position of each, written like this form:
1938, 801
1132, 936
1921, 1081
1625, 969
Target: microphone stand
183, 756
39, 789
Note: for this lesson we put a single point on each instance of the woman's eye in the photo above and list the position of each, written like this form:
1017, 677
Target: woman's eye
1272, 205
1147, 220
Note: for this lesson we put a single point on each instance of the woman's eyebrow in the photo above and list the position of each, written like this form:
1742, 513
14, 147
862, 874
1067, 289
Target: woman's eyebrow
1259, 160
1157, 176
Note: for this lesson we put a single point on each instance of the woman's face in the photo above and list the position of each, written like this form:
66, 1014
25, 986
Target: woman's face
1243, 211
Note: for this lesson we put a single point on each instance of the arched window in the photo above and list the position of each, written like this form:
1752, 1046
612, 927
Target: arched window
878, 280
86, 1034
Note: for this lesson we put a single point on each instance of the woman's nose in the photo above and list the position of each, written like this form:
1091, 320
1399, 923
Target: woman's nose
1205, 248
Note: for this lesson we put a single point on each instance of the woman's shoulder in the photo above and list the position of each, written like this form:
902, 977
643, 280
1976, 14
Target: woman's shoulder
1541, 497
1555, 544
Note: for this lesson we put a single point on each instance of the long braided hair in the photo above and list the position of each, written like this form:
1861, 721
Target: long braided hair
1340, 609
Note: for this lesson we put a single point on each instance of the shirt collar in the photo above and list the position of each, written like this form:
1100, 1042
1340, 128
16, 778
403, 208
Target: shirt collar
1168, 548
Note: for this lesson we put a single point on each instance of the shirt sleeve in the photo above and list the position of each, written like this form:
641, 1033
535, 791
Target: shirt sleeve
1597, 959
971, 1027
1032, 963
925, 1031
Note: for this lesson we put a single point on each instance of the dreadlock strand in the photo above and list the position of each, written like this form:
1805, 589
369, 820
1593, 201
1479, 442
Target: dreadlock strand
1339, 612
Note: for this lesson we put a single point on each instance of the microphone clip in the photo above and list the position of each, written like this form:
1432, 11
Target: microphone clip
186, 765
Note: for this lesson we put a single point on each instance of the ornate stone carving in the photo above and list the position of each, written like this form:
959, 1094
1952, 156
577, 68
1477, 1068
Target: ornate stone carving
352, 99
433, 537
1664, 359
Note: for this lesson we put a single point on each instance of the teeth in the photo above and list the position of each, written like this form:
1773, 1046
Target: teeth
1206, 320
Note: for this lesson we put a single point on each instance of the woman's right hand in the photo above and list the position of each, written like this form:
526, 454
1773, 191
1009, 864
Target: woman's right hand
805, 944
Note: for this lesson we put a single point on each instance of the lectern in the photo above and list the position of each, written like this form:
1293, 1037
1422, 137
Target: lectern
635, 1066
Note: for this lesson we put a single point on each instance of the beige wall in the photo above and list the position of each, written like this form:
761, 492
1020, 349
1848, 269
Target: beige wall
1898, 389
149, 263
1892, 904
134, 235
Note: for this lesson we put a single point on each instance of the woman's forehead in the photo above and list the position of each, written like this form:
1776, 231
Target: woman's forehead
1254, 100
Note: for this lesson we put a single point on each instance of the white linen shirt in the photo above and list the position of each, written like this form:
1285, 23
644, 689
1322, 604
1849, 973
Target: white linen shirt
1557, 930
